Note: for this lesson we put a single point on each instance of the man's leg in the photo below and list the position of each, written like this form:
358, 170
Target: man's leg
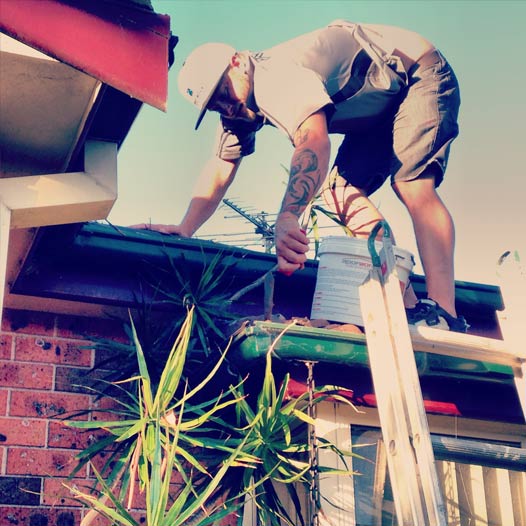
350, 204
435, 236
355, 210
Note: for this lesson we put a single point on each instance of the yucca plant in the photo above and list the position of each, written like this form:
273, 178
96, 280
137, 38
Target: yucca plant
178, 289
277, 435
208, 291
161, 431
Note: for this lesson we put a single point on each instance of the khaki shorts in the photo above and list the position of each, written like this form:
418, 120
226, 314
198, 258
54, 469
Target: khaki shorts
418, 133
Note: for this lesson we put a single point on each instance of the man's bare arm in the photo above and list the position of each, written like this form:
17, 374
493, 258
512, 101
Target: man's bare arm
308, 169
309, 164
216, 176
211, 187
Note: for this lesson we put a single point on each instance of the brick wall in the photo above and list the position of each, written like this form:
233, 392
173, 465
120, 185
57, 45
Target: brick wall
43, 366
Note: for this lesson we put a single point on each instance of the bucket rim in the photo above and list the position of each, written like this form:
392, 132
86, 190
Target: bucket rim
359, 243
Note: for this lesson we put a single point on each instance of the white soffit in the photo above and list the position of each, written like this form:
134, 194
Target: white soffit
43, 108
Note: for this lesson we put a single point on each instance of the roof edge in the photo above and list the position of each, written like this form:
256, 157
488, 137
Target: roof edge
122, 45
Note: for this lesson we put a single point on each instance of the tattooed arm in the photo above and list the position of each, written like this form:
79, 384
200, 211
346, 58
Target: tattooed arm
308, 169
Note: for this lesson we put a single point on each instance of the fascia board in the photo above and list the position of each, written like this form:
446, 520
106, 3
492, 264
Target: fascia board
123, 46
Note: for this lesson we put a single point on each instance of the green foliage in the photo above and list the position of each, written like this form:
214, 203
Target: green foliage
277, 435
316, 209
183, 426
157, 434
208, 293
207, 290
166, 429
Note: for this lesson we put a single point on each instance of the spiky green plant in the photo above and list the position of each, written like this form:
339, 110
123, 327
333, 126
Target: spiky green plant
277, 435
160, 433
208, 291
162, 430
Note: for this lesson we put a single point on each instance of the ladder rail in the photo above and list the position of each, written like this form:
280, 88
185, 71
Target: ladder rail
414, 477
391, 345
400, 456
408, 374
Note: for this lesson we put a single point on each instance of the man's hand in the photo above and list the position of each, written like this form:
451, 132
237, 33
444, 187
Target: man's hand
292, 244
177, 230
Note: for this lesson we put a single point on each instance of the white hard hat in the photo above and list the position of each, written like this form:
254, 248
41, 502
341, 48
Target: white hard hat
201, 72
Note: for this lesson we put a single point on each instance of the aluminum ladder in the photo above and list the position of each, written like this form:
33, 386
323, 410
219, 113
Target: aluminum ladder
405, 430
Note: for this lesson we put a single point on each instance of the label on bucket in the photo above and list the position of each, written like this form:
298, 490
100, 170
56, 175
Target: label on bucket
343, 266
336, 295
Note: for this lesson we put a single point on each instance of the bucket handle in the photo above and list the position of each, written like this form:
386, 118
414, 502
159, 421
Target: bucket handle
375, 257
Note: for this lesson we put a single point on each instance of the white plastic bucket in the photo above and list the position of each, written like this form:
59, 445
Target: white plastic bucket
344, 264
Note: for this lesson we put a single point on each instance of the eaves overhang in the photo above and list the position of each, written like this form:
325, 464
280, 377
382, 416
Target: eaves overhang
73, 71
100, 263
74, 75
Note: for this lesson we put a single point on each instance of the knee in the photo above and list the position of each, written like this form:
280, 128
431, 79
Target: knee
418, 193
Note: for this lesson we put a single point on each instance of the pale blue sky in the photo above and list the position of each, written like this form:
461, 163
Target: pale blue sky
485, 185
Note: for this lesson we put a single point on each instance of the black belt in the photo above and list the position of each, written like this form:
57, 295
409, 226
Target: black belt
359, 68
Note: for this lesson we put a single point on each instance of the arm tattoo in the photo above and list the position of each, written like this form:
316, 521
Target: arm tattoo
304, 180
300, 137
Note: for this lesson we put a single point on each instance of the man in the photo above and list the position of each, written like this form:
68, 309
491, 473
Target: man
387, 90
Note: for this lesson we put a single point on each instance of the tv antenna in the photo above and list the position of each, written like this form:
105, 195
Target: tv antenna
263, 227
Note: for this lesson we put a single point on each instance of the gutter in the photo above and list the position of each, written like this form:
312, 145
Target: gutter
90, 251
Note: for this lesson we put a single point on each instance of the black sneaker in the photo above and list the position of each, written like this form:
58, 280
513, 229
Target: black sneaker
429, 313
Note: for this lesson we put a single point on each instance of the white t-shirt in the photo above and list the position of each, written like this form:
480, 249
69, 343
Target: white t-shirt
337, 68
